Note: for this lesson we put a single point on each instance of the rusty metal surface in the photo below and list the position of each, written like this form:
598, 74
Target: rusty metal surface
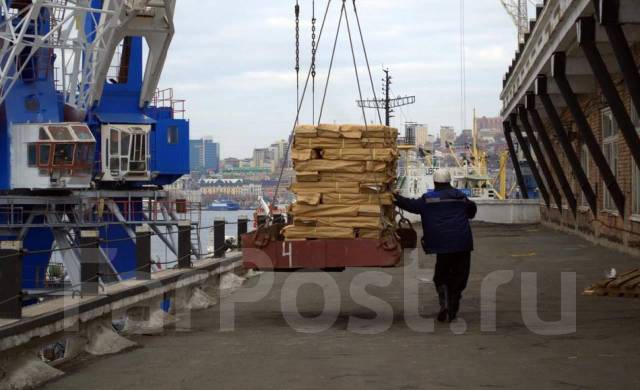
317, 254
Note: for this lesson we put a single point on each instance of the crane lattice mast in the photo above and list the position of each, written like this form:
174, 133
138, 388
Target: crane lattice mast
518, 11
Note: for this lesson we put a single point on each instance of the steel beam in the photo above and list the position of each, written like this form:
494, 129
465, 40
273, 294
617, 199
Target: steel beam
11, 273
553, 157
143, 252
219, 247
184, 244
563, 138
542, 162
513, 118
242, 229
586, 39
514, 160
89, 262
608, 16
558, 73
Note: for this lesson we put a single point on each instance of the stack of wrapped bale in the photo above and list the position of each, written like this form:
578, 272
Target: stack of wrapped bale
344, 178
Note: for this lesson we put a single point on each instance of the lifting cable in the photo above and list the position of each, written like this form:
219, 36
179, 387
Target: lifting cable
297, 13
313, 62
366, 57
304, 92
333, 54
355, 63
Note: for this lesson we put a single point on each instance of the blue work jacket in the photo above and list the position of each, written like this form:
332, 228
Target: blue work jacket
445, 220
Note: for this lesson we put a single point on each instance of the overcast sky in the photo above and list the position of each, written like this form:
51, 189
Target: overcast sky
233, 61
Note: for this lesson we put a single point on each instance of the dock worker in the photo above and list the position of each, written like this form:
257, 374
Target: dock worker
445, 214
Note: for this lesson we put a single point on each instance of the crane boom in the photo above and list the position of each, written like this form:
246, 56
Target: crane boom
518, 11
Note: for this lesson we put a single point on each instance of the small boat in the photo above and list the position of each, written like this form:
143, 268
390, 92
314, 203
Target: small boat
223, 206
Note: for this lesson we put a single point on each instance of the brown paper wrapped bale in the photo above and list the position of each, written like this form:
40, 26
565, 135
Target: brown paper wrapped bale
325, 187
337, 166
384, 155
344, 178
325, 210
371, 223
358, 199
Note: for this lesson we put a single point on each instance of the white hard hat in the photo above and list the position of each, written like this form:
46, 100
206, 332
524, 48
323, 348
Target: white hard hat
442, 176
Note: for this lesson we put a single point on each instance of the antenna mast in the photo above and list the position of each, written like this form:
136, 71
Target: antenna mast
387, 103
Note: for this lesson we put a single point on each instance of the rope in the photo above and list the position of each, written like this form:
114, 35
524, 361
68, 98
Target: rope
98, 275
109, 241
366, 57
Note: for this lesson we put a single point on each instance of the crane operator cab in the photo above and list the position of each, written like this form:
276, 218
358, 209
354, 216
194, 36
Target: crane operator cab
51, 156
125, 153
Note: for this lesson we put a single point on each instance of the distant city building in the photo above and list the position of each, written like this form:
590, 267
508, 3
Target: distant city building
490, 123
261, 158
204, 155
230, 163
447, 134
196, 163
410, 133
211, 155
422, 135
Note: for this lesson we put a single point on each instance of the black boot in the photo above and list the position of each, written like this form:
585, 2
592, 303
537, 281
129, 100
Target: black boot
454, 306
443, 297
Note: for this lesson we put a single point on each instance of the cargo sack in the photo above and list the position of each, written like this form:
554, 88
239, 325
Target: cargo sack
337, 166
369, 234
309, 177
306, 131
383, 155
325, 187
327, 143
309, 199
367, 177
358, 199
300, 210
303, 154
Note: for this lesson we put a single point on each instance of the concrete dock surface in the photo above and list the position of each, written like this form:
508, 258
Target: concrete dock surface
263, 351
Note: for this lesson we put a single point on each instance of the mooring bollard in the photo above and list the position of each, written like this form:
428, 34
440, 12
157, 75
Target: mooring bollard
184, 244
219, 246
243, 221
143, 252
11, 280
89, 262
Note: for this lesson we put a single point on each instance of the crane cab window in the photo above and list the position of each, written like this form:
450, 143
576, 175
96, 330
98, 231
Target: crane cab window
61, 149
44, 154
63, 154
60, 133
43, 135
83, 133
127, 151
172, 135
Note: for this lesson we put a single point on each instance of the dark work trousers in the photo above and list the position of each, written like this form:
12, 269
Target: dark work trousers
452, 270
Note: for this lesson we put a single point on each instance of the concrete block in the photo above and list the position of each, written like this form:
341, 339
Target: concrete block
103, 339
24, 369
147, 320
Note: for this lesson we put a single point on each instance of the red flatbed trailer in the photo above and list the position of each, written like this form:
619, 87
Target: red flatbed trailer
318, 254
